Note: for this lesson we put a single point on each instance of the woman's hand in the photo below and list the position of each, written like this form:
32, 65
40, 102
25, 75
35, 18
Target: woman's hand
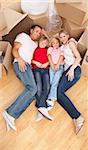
70, 74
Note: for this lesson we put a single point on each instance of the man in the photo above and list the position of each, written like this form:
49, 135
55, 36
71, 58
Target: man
22, 51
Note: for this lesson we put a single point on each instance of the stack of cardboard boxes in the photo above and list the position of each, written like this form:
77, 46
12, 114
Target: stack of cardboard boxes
75, 21
74, 15
12, 23
5, 56
83, 47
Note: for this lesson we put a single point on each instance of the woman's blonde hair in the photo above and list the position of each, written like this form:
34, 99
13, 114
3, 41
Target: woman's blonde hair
63, 31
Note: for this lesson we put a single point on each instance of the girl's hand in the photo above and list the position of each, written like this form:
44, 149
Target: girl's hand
70, 74
38, 64
53, 66
56, 66
44, 65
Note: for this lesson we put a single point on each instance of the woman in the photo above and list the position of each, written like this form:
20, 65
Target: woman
69, 78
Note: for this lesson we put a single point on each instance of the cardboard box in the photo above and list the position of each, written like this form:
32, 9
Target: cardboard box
9, 19
84, 39
77, 13
23, 26
40, 19
5, 48
85, 65
1, 70
68, 1
9, 4
73, 29
16, 5
83, 43
2, 21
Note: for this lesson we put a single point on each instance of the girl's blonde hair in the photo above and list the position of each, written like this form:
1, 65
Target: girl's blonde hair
44, 38
54, 38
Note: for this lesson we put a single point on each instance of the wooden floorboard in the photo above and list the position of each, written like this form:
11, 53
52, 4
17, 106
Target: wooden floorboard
44, 135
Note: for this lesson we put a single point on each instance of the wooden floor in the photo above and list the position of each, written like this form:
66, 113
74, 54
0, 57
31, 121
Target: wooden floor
44, 135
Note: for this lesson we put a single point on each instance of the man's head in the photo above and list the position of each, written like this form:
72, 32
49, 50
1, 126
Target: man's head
35, 32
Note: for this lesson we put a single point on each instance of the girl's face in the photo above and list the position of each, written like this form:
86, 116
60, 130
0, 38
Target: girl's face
64, 38
43, 43
55, 43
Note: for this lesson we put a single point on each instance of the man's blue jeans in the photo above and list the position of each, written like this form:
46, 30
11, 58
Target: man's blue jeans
24, 100
42, 81
55, 76
63, 99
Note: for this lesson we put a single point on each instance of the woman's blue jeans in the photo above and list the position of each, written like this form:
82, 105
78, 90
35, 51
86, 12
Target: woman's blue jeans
24, 100
42, 81
63, 99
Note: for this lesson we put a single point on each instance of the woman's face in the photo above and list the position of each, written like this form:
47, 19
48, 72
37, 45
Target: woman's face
35, 33
63, 38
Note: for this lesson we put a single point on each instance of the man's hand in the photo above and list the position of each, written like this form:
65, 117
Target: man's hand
45, 34
22, 64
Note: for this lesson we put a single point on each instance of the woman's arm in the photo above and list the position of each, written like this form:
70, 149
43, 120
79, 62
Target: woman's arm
21, 62
73, 46
70, 73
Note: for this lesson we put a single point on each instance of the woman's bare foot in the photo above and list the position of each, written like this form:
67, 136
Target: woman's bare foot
78, 124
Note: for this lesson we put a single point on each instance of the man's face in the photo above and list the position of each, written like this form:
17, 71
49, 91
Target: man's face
35, 33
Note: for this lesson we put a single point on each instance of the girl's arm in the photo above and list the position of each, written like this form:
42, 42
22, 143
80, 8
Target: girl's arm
38, 64
50, 61
61, 59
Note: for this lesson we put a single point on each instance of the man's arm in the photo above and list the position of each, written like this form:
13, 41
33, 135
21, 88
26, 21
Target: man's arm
21, 62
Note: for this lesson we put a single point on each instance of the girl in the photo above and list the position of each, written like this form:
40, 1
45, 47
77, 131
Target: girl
55, 56
40, 66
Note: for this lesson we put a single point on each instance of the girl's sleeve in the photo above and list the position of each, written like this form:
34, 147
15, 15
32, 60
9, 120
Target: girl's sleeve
49, 51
